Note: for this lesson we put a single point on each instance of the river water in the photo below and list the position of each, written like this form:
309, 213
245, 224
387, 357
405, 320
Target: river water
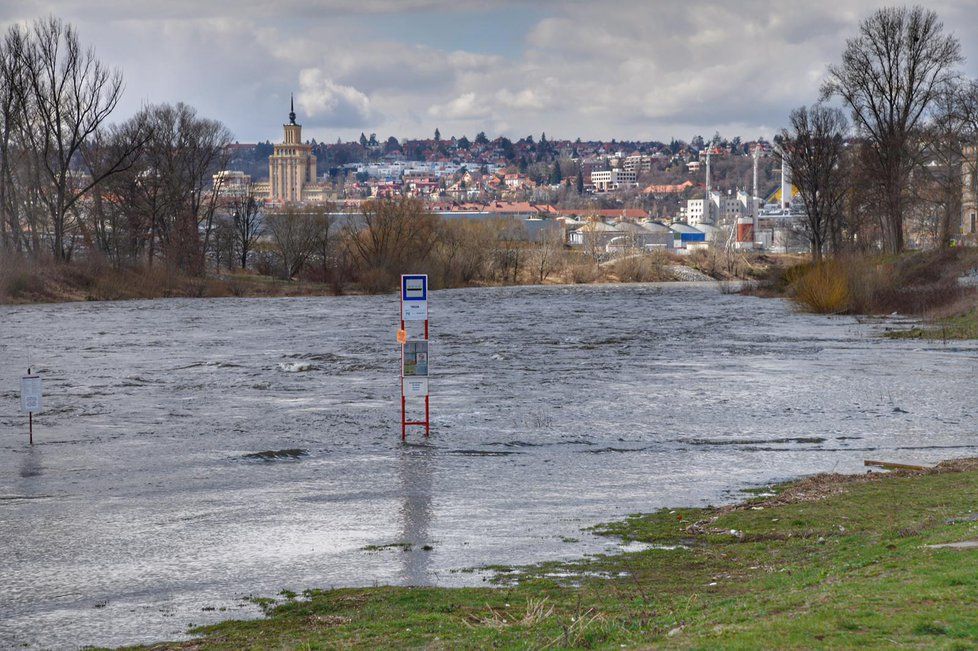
194, 452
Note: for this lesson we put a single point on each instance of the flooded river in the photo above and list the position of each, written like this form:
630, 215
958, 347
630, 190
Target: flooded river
194, 452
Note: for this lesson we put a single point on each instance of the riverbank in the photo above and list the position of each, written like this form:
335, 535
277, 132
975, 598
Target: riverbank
26, 282
936, 287
828, 561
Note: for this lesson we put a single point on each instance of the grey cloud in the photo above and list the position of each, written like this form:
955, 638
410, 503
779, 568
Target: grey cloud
656, 68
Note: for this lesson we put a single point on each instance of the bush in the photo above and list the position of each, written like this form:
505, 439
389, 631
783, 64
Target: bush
642, 268
915, 283
584, 272
823, 288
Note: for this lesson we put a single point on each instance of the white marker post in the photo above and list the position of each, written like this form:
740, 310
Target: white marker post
30, 399
414, 353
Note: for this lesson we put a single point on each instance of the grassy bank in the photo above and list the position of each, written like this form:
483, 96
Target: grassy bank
958, 326
924, 284
23, 281
830, 561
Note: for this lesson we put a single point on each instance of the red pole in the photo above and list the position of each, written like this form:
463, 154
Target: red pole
403, 416
427, 418
30, 419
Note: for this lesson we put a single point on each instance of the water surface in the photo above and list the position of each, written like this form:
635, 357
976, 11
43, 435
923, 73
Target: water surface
194, 452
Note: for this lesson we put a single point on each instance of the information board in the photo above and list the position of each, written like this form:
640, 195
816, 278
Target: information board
30, 394
415, 359
414, 297
415, 387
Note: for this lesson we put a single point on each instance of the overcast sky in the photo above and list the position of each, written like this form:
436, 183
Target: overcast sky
622, 69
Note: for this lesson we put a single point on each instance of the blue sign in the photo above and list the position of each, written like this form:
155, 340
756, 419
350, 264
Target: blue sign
414, 288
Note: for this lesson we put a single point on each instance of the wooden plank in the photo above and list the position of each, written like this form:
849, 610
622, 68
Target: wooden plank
889, 465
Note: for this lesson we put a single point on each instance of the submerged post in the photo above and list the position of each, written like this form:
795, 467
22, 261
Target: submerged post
30, 400
414, 349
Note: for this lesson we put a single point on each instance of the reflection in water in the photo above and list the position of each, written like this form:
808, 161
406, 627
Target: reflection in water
416, 467
30, 466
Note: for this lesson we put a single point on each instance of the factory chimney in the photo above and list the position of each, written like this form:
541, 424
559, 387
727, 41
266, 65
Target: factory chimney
785, 183
755, 201
708, 199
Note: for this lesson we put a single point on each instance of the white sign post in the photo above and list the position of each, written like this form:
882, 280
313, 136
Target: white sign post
414, 352
30, 400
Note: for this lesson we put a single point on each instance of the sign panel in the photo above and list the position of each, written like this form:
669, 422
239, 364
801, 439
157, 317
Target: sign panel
415, 359
30, 393
414, 297
415, 387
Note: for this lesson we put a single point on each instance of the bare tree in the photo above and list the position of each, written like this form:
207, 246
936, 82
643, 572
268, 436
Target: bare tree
967, 104
67, 97
170, 187
391, 237
938, 189
295, 234
11, 76
248, 225
547, 257
326, 249
890, 74
510, 251
814, 149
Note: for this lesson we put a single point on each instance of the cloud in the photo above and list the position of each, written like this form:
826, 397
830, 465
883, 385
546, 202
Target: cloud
648, 69
463, 107
328, 103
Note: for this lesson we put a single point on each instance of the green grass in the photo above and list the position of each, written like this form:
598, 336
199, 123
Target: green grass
961, 326
827, 562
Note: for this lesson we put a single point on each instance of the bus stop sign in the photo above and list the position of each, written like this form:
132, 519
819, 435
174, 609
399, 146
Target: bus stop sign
414, 297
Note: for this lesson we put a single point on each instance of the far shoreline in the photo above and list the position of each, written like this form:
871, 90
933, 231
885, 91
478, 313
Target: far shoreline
300, 289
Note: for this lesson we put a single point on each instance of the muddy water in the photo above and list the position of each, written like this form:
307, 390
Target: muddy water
193, 452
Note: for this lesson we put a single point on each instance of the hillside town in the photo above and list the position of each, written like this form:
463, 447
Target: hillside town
604, 197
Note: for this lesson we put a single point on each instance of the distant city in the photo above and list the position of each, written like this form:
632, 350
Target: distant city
678, 194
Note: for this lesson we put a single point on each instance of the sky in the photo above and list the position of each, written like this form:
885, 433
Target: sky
627, 69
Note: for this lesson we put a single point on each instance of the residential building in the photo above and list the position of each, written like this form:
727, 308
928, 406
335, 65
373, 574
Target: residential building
232, 184
724, 208
613, 179
637, 163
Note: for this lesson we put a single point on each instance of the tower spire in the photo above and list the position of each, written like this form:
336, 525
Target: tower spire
291, 108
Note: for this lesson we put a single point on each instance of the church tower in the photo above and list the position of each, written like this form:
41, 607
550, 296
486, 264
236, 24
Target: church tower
292, 165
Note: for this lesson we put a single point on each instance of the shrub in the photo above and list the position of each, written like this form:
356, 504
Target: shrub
823, 289
584, 272
642, 268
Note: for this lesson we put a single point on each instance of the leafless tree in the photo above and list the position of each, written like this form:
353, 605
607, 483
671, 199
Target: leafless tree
390, 237
462, 251
295, 234
11, 75
814, 149
889, 77
548, 254
170, 186
939, 183
67, 96
509, 254
248, 219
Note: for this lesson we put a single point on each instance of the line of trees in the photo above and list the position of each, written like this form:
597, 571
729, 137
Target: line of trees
899, 167
134, 192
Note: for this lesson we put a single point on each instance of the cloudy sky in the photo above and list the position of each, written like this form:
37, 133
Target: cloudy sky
623, 69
